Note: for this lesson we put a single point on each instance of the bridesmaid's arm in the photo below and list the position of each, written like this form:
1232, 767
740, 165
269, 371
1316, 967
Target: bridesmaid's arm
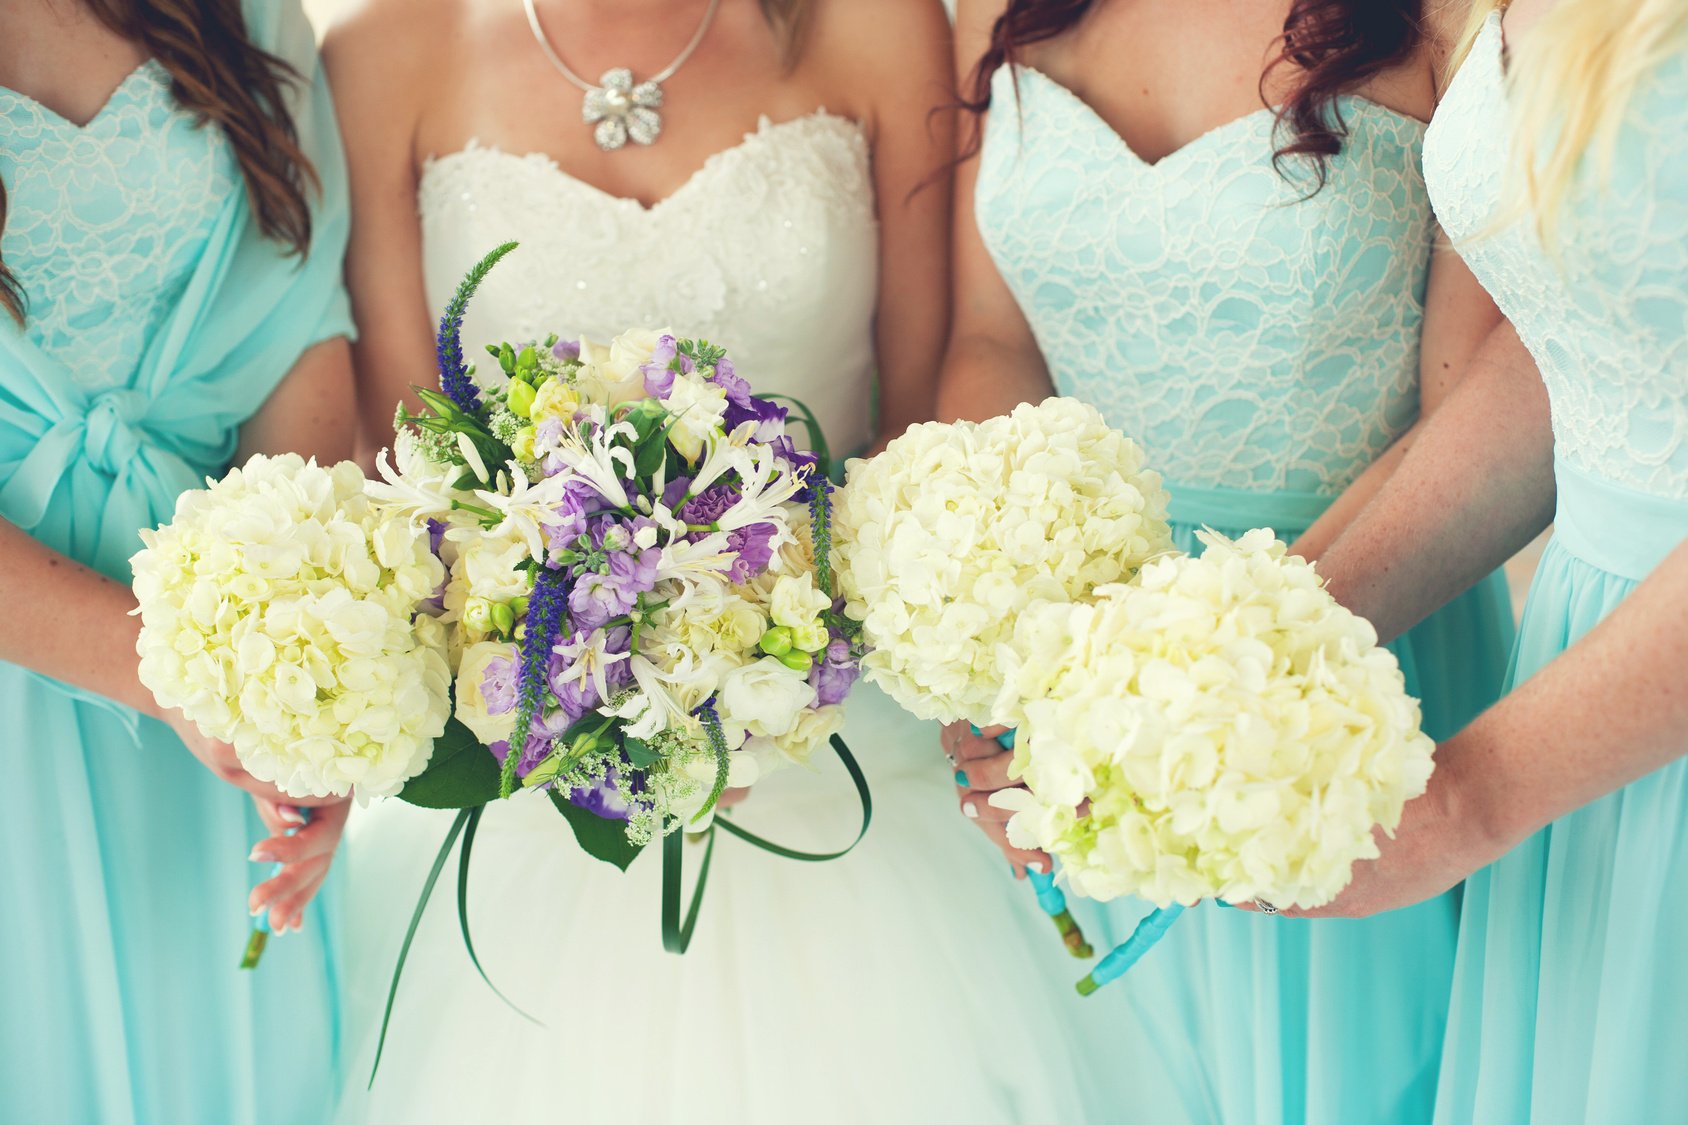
992, 363
1458, 318
900, 51
312, 413
376, 84
1611, 709
1475, 488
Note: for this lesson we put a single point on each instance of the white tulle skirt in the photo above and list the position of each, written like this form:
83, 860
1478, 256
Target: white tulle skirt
913, 980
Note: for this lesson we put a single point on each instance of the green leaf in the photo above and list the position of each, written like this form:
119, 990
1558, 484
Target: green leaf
462, 774
639, 753
599, 838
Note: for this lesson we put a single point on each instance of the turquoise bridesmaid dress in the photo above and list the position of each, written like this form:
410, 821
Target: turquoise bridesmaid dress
1570, 996
1263, 347
159, 320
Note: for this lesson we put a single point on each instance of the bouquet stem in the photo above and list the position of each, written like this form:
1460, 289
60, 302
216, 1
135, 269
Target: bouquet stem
1144, 938
260, 936
1049, 896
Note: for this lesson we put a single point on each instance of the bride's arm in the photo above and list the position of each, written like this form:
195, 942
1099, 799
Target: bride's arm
376, 65
894, 55
992, 363
1458, 317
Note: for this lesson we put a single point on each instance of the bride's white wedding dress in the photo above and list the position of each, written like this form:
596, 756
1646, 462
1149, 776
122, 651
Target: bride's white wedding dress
913, 979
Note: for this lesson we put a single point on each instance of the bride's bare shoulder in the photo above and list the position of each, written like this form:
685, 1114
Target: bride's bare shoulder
394, 36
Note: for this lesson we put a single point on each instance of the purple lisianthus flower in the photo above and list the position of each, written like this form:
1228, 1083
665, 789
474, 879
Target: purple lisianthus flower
710, 504
604, 799
573, 510
795, 459
726, 377
769, 418
753, 550
499, 685
537, 750
566, 350
834, 674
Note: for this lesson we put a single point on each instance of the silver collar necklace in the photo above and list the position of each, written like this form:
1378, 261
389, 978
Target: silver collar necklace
618, 110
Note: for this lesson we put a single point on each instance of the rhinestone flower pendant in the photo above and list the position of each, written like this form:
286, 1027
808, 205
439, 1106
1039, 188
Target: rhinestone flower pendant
623, 112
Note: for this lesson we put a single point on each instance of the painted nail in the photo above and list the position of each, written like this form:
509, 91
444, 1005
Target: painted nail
257, 910
961, 778
971, 810
261, 854
291, 815
977, 733
1038, 866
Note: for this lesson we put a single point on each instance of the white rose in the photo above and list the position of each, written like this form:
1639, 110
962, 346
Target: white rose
810, 732
612, 374
696, 407
795, 601
764, 698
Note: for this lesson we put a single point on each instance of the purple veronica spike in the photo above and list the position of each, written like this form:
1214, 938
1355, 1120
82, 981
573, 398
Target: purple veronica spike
454, 373
544, 620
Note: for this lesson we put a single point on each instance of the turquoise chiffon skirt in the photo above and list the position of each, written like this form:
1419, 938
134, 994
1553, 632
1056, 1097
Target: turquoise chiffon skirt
1267, 1020
124, 877
1570, 997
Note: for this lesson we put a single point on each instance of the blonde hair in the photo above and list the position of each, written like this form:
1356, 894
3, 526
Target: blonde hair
1573, 81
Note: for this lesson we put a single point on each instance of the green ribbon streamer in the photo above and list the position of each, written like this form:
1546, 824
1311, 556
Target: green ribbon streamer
784, 852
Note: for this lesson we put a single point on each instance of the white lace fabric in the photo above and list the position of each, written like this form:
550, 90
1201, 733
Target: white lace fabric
1604, 314
770, 250
105, 222
1249, 338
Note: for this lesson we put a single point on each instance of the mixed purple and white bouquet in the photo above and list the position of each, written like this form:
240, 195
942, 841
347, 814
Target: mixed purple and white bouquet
639, 605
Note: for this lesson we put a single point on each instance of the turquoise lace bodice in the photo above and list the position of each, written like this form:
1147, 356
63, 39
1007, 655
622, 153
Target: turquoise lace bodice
1249, 336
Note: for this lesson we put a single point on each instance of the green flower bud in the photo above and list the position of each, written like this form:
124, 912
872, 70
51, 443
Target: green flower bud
503, 618
811, 637
798, 661
521, 398
777, 641
518, 606
528, 359
544, 772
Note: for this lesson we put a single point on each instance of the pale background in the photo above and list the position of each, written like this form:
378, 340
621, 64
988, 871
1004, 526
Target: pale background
1518, 571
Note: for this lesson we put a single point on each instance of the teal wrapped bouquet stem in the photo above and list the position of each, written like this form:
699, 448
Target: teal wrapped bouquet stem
1050, 899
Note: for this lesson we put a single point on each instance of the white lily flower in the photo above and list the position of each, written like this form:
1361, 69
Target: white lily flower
589, 661
597, 460
529, 507
473, 457
419, 491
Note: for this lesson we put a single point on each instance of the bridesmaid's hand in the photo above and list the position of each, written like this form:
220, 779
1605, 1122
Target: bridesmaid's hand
981, 768
220, 759
1434, 848
305, 856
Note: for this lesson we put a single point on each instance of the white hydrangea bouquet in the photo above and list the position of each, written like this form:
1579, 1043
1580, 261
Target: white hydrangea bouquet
1219, 728
279, 613
953, 532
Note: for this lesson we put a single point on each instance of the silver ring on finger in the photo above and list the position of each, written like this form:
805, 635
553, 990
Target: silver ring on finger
1265, 907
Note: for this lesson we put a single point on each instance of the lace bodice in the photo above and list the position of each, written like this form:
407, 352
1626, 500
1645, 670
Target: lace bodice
1606, 316
770, 250
106, 222
1247, 338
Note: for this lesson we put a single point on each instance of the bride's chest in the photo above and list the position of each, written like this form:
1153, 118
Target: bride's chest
779, 230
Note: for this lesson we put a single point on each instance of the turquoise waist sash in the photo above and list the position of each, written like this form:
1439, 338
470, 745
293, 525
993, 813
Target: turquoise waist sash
1616, 529
1234, 509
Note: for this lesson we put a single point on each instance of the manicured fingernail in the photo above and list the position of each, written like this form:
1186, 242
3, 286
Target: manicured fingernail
971, 810
291, 815
976, 731
1036, 865
256, 910
1225, 904
261, 854
961, 778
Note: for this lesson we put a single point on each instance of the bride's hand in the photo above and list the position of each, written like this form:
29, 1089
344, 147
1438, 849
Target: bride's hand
981, 768
306, 856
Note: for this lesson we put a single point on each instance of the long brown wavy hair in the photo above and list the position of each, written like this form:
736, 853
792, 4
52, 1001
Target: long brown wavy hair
1336, 45
217, 74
